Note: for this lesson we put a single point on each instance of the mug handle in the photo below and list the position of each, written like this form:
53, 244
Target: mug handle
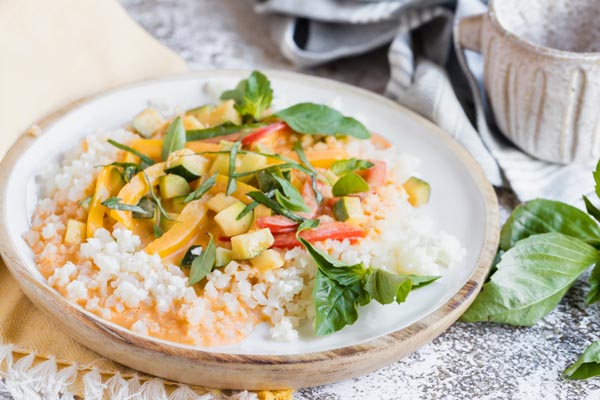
469, 32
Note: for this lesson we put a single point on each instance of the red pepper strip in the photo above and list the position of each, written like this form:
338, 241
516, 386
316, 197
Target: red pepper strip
261, 132
328, 230
375, 176
277, 224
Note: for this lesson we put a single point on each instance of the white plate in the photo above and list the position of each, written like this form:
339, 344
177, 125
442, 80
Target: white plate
462, 202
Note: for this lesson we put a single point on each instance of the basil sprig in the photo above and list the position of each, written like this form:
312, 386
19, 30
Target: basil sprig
349, 184
114, 203
252, 96
318, 119
128, 170
340, 289
265, 200
204, 263
221, 130
146, 161
202, 189
174, 139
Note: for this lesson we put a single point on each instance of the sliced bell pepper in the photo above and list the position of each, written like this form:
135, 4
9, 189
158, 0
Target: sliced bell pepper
261, 132
133, 192
198, 146
322, 158
108, 184
184, 229
329, 230
277, 224
240, 193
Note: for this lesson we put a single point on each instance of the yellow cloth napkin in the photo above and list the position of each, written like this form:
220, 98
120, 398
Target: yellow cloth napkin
52, 53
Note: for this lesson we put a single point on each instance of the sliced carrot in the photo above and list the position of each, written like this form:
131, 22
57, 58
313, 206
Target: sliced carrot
328, 230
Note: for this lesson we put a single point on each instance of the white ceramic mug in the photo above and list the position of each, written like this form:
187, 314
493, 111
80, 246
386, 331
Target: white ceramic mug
542, 73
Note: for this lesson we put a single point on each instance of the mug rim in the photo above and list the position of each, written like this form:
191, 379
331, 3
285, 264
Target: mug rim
540, 49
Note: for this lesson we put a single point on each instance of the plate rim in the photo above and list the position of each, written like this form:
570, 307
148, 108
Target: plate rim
417, 334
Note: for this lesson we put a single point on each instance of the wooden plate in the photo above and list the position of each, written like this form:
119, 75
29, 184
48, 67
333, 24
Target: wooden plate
463, 204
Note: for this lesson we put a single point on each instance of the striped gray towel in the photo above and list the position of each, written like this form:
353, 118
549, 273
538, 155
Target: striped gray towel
438, 80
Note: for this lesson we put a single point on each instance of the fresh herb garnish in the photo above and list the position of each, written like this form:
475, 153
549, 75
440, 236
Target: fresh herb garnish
231, 181
313, 177
204, 263
157, 200
248, 209
343, 167
263, 199
202, 189
146, 161
114, 203
221, 130
157, 230
317, 119
289, 197
308, 224
252, 96
191, 253
349, 184
174, 139
128, 170
587, 365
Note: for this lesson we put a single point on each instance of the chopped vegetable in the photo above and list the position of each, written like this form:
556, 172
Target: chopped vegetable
261, 132
202, 113
418, 191
327, 230
348, 209
223, 113
76, 232
277, 224
186, 164
173, 186
251, 244
241, 192
376, 175
147, 122
220, 201
187, 226
108, 184
223, 257
228, 222
268, 260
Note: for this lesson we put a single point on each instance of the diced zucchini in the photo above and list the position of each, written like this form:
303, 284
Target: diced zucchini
329, 176
252, 162
148, 205
223, 257
173, 186
225, 145
221, 201
190, 167
418, 191
177, 204
251, 244
76, 231
191, 123
202, 113
228, 222
260, 211
348, 209
268, 260
148, 121
193, 252
225, 112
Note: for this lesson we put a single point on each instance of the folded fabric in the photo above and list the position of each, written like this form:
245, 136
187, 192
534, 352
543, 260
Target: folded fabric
436, 78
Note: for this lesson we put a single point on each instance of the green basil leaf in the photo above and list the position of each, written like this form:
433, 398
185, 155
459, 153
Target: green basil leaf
587, 365
114, 203
336, 305
385, 287
542, 216
308, 224
248, 209
349, 184
313, 177
316, 119
231, 181
419, 281
202, 189
290, 198
593, 295
204, 263
146, 161
343, 167
252, 96
273, 205
334, 269
216, 131
531, 279
596, 174
189, 256
174, 139
591, 208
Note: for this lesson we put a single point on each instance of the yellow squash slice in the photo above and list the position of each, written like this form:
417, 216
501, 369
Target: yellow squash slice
185, 228
242, 189
133, 192
108, 184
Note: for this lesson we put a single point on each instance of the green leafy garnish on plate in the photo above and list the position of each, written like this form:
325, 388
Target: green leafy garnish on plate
252, 96
174, 139
204, 263
349, 184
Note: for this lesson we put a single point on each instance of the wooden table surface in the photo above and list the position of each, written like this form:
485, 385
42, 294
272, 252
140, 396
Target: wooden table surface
469, 361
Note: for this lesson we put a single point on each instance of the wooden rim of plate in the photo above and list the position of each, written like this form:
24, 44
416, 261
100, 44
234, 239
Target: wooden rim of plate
241, 371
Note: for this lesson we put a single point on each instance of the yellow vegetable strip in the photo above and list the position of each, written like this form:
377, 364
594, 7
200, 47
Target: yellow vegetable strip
240, 192
133, 192
186, 227
108, 184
